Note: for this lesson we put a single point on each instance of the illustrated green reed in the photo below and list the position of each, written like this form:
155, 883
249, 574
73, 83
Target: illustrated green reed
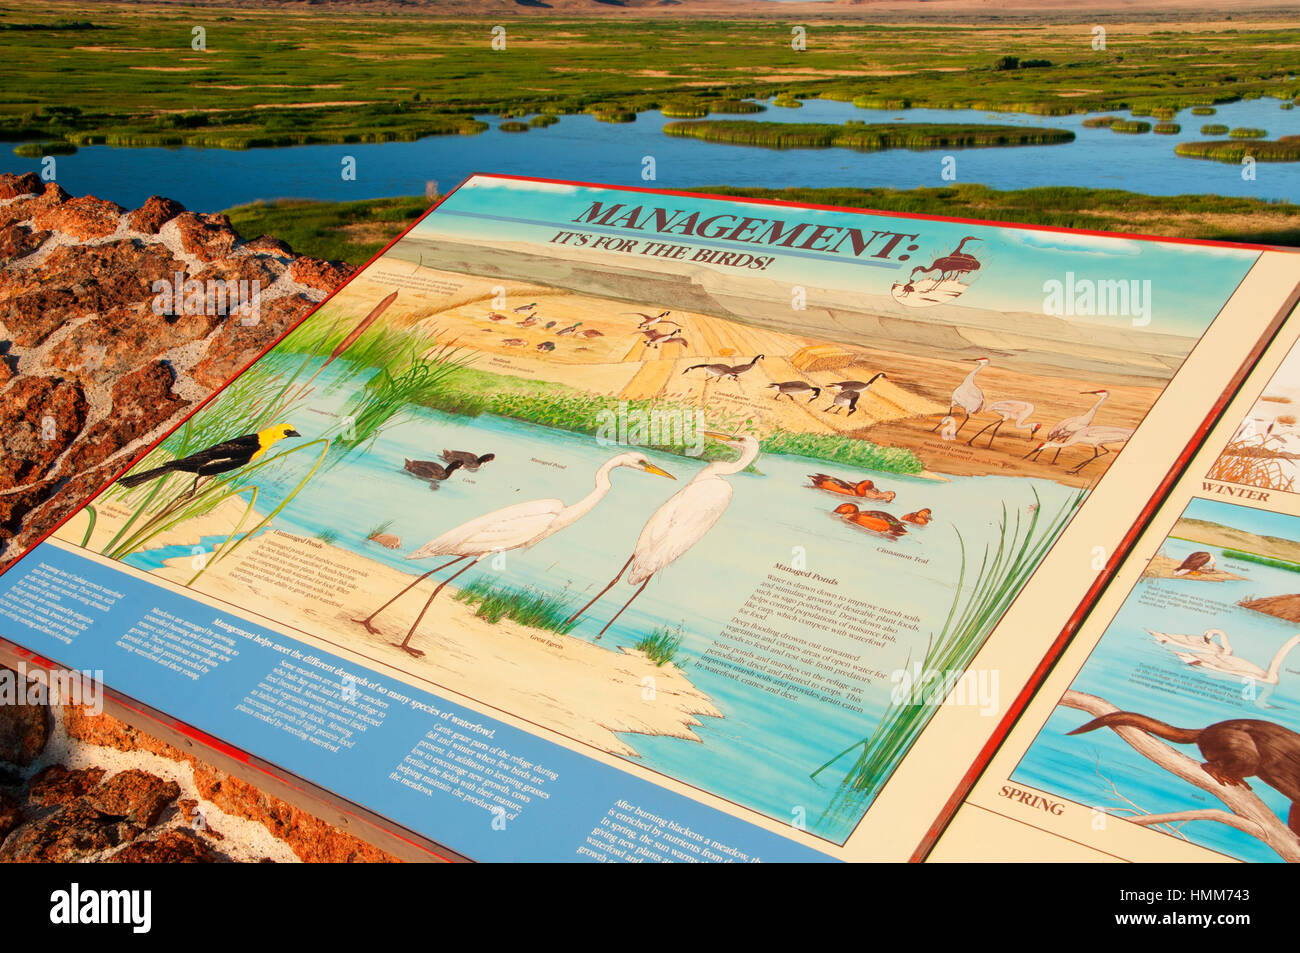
974, 612
661, 645
407, 367
528, 606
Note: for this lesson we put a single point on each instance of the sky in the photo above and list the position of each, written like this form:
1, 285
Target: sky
1189, 284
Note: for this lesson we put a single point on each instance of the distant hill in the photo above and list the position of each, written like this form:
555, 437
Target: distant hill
1225, 537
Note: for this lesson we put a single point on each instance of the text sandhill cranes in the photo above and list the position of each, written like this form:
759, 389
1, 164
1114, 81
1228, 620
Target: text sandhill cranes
518, 526
680, 523
968, 396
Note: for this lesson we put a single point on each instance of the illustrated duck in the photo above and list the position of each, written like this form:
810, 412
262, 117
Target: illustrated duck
875, 520
863, 488
920, 517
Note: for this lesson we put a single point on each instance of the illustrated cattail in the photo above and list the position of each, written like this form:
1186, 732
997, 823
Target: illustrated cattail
360, 329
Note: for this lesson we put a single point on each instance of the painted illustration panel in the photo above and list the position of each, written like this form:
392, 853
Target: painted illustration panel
724, 489
1184, 719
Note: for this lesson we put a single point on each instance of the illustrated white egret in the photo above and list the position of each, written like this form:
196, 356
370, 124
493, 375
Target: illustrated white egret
680, 523
517, 526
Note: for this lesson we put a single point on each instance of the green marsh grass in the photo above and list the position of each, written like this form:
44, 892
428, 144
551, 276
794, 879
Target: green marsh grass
978, 603
527, 606
1167, 128
865, 137
1214, 129
1282, 149
1203, 110
1248, 132
661, 645
514, 126
1131, 128
1262, 560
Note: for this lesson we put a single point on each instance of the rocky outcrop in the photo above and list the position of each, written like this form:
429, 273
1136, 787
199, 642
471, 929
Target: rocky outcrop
94, 365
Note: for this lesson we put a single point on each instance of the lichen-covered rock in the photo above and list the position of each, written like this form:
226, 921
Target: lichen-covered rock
42, 416
55, 784
12, 186
137, 795
142, 400
69, 833
19, 240
322, 275
206, 237
24, 730
153, 214
172, 846
83, 217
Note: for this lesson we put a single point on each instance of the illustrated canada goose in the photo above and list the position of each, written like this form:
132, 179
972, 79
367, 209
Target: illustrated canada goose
920, 517
791, 388
651, 320
1072, 425
470, 461
433, 472
517, 526
849, 396
1013, 412
967, 395
1096, 437
725, 370
845, 398
1197, 562
655, 338
863, 488
680, 523
218, 458
875, 520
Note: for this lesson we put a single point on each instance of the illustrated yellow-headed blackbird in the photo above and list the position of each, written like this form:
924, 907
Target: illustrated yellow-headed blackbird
219, 458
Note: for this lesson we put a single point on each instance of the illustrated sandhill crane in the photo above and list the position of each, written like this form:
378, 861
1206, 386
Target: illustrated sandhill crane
1013, 412
517, 526
1099, 438
791, 388
1070, 425
720, 371
680, 523
1197, 562
967, 396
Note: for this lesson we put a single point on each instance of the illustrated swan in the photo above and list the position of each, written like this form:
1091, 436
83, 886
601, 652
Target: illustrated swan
1228, 664
1199, 643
